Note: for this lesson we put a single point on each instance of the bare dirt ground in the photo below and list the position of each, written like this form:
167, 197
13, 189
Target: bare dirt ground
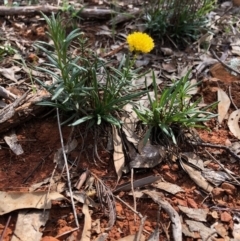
39, 139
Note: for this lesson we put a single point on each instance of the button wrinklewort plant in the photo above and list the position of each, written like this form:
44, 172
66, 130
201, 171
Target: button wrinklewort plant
172, 110
85, 86
140, 42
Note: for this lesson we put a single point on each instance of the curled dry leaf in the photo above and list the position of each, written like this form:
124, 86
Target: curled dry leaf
81, 179
150, 156
12, 141
9, 73
29, 224
86, 233
223, 105
233, 123
196, 214
168, 187
167, 51
196, 176
129, 124
176, 222
118, 155
203, 230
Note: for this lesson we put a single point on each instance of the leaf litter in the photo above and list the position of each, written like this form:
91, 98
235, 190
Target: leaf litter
178, 189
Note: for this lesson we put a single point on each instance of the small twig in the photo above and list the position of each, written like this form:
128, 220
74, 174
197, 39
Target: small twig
215, 146
116, 50
231, 98
225, 65
140, 230
67, 232
5, 228
208, 195
67, 170
210, 235
172, 42
133, 193
49, 188
220, 164
131, 208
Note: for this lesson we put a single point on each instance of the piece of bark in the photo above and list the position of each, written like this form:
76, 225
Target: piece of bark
18, 113
29, 10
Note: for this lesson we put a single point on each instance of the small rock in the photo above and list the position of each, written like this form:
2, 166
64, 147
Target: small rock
225, 217
218, 192
229, 188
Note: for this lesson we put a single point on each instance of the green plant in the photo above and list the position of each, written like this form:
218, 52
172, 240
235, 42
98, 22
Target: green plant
177, 19
84, 85
173, 109
6, 49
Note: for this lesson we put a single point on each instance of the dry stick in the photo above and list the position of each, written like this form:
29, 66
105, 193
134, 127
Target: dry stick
67, 170
143, 218
231, 98
215, 146
134, 197
225, 65
49, 188
98, 13
220, 164
113, 52
67, 232
139, 233
5, 228
131, 208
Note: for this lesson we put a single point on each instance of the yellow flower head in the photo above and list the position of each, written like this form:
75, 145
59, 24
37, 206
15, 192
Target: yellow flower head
140, 42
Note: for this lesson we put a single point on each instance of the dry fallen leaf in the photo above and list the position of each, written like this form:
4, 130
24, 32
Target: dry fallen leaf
196, 214
12, 141
168, 187
223, 105
233, 123
28, 225
86, 233
118, 155
9, 73
20, 200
